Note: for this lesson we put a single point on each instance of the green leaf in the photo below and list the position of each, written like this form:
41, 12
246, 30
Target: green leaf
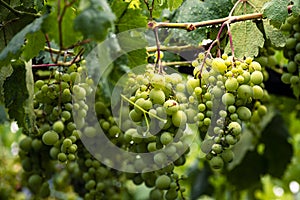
276, 11
277, 38
275, 138
128, 18
13, 49
5, 71
18, 94
35, 43
94, 22
296, 8
172, 5
247, 39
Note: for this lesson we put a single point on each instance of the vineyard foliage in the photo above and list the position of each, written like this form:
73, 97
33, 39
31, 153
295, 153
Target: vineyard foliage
149, 99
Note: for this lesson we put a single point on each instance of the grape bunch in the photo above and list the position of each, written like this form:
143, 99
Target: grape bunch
292, 53
153, 115
229, 92
55, 137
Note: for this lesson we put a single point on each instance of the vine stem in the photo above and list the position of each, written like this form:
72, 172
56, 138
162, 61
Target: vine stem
175, 48
191, 26
158, 61
17, 12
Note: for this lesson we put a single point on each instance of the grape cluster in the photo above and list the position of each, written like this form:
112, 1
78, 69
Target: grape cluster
292, 53
229, 92
153, 116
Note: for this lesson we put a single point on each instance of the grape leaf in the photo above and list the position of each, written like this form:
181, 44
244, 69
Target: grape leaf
35, 43
174, 4
247, 39
248, 7
277, 38
195, 11
128, 18
94, 22
276, 11
5, 72
13, 49
18, 94
296, 8
278, 131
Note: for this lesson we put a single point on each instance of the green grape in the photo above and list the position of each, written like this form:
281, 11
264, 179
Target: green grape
36, 145
134, 116
230, 140
25, 144
218, 64
231, 84
166, 138
58, 126
171, 194
256, 77
44, 190
217, 148
67, 143
54, 151
216, 162
90, 131
228, 99
244, 92
157, 96
35, 181
286, 77
38, 84
50, 137
244, 113
65, 115
227, 155
163, 182
171, 106
235, 128
291, 43
258, 92
158, 81
62, 157
160, 158
179, 118
156, 194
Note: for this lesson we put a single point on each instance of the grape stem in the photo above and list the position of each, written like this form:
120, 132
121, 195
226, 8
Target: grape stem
175, 48
191, 26
144, 111
18, 12
158, 64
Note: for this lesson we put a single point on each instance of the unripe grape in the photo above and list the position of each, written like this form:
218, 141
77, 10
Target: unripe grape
134, 116
218, 64
158, 81
50, 137
291, 43
156, 194
160, 158
171, 194
244, 113
256, 77
39, 83
244, 91
216, 162
157, 96
171, 106
255, 65
235, 128
179, 118
217, 148
262, 110
286, 77
227, 155
35, 181
36, 145
58, 126
230, 140
231, 84
90, 131
258, 92
163, 182
62, 157
25, 144
166, 138
228, 99
44, 190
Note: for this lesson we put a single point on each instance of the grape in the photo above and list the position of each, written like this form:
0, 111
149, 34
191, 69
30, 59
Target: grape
171, 106
157, 96
158, 81
216, 162
244, 113
58, 126
35, 181
166, 138
217, 148
227, 155
25, 144
286, 77
163, 182
134, 116
50, 137
62, 157
44, 190
230, 140
231, 84
206, 145
179, 118
171, 194
218, 64
244, 91
160, 158
228, 99
258, 92
235, 128
256, 77
156, 194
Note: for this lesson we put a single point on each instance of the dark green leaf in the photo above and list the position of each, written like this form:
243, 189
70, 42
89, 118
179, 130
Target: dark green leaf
128, 18
35, 43
94, 23
277, 147
13, 49
251, 168
296, 8
5, 72
18, 94
174, 4
276, 11
247, 39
